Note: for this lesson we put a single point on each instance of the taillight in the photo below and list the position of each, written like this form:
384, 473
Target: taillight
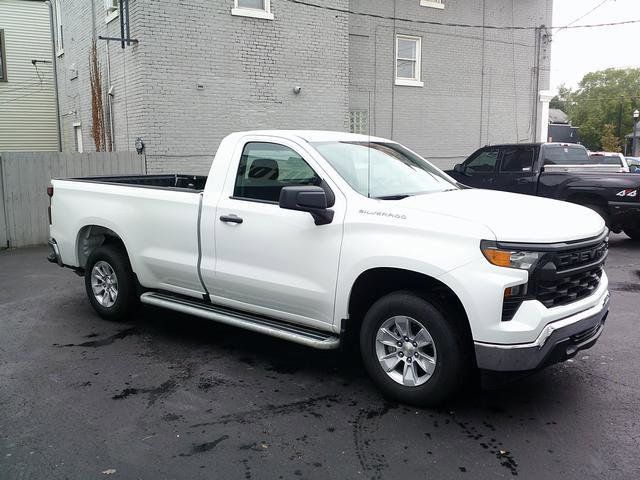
49, 194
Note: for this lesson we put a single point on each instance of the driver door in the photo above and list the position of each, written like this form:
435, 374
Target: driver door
273, 261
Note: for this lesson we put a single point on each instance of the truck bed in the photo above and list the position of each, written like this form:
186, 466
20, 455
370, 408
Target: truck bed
166, 181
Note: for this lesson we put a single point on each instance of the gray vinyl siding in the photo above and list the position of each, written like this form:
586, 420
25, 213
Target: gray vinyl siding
27, 98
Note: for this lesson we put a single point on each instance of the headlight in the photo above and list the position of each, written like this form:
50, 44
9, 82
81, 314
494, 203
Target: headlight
523, 260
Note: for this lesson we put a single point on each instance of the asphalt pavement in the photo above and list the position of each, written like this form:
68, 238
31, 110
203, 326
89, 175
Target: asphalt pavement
167, 396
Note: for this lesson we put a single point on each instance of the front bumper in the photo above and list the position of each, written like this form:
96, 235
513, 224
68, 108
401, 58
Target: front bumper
558, 341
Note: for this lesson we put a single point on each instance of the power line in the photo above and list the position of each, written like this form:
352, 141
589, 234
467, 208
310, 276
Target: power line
448, 24
582, 16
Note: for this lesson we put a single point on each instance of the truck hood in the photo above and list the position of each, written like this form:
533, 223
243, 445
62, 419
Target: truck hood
513, 217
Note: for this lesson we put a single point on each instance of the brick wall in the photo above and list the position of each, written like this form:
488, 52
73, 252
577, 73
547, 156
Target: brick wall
200, 73
478, 89
209, 73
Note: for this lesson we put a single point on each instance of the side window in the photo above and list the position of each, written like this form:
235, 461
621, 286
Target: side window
267, 167
483, 162
517, 160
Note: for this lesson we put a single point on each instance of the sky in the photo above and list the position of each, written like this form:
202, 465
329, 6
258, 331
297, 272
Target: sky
579, 51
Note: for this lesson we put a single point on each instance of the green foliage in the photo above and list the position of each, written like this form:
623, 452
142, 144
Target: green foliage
609, 141
597, 102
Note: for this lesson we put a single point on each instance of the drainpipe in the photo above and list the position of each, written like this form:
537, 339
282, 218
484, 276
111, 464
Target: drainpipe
55, 72
110, 98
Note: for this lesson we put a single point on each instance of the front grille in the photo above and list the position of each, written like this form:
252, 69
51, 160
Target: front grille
569, 275
570, 288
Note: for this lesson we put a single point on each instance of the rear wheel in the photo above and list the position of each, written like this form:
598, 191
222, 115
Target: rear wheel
411, 351
110, 283
632, 232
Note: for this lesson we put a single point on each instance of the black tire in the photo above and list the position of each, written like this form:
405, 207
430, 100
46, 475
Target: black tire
126, 299
632, 232
452, 366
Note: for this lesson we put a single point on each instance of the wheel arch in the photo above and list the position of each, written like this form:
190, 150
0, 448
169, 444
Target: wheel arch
588, 198
93, 236
374, 283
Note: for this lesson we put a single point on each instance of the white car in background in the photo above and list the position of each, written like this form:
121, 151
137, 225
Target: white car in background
613, 159
633, 163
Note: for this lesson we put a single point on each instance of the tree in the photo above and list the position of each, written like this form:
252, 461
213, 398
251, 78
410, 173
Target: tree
606, 97
609, 141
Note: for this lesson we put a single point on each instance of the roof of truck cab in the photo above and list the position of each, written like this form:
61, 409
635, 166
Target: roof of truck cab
534, 144
318, 135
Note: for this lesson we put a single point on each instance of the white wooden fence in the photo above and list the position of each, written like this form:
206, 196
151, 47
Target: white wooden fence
24, 178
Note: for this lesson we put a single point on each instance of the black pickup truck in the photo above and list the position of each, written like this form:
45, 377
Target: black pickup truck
559, 171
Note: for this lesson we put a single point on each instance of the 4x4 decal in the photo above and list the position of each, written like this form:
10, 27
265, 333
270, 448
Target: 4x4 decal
629, 192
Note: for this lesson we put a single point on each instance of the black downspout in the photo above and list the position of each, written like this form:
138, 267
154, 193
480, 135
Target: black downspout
121, 6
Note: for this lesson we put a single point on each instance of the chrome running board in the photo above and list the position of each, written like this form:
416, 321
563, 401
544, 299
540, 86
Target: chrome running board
268, 326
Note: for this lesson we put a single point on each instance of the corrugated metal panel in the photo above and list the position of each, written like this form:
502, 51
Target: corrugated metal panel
26, 176
27, 98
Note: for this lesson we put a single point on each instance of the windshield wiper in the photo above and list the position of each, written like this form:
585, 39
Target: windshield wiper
394, 197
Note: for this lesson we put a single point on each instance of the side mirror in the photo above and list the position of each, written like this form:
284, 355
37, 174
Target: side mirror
310, 199
459, 168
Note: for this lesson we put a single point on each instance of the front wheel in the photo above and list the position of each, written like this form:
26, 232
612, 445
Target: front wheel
411, 351
633, 232
110, 283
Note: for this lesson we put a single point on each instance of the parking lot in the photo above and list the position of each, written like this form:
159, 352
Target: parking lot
169, 396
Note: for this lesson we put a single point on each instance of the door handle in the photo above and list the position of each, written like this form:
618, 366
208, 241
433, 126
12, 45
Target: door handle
230, 218
522, 181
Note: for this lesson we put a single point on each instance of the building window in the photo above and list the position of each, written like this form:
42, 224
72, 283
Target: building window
113, 9
253, 8
59, 35
77, 134
3, 58
408, 53
359, 122
432, 3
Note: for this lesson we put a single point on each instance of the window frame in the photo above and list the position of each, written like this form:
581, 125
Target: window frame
58, 26
112, 13
234, 177
78, 140
439, 4
417, 80
263, 13
3, 57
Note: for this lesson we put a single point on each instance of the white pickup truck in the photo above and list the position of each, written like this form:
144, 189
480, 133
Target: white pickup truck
316, 237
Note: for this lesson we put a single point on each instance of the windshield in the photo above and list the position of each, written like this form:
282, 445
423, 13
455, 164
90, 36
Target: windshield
383, 170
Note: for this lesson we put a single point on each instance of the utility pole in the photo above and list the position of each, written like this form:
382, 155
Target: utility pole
620, 136
634, 140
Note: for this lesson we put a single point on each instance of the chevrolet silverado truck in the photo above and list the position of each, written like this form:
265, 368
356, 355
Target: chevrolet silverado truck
316, 237
559, 171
